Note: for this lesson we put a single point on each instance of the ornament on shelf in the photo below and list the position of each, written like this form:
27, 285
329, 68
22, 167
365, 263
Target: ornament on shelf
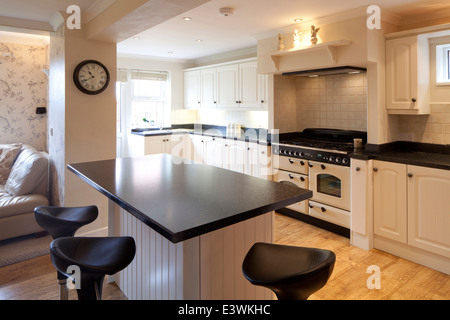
296, 44
280, 42
314, 34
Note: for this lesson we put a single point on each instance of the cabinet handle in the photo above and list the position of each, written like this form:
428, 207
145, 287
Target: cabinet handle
263, 152
248, 148
410, 175
291, 176
323, 167
321, 208
375, 169
290, 161
302, 179
413, 100
358, 169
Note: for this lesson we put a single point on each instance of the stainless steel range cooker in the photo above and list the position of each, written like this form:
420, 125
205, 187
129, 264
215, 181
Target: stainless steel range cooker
319, 160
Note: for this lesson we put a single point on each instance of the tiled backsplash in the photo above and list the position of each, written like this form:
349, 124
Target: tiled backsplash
433, 128
335, 101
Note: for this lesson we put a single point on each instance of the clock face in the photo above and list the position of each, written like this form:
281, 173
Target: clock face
91, 77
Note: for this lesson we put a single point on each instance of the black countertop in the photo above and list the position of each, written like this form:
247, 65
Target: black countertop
412, 153
257, 135
183, 200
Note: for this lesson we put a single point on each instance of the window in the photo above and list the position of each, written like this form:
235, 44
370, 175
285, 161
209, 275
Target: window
443, 64
147, 98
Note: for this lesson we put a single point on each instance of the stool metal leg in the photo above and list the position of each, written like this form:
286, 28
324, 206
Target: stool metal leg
63, 291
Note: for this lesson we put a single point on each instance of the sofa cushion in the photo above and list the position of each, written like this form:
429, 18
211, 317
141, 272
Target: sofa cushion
15, 205
8, 153
29, 172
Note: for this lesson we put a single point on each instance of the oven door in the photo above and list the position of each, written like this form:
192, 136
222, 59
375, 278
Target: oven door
298, 180
330, 184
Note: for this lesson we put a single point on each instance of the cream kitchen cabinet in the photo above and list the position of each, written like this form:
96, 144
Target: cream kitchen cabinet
411, 206
407, 75
208, 150
227, 86
235, 155
429, 209
174, 144
192, 89
390, 200
208, 88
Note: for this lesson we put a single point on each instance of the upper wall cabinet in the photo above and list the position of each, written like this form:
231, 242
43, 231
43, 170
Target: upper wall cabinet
226, 86
407, 75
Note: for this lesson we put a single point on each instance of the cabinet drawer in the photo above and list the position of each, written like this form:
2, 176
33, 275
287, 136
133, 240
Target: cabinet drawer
330, 214
293, 164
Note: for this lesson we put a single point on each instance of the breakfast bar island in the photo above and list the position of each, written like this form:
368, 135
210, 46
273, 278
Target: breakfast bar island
193, 224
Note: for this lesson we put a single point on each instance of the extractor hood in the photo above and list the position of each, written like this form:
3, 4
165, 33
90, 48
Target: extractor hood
325, 72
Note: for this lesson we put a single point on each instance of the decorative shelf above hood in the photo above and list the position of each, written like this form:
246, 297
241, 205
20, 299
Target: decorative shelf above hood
328, 47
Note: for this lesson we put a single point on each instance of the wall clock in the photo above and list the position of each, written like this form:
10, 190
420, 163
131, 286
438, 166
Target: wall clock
91, 77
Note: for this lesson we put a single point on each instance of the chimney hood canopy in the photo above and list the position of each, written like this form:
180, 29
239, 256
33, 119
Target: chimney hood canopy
325, 71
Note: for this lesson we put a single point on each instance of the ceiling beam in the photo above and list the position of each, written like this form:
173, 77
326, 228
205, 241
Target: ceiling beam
124, 19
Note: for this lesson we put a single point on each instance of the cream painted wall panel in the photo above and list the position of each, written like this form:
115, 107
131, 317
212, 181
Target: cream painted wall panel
90, 123
205, 267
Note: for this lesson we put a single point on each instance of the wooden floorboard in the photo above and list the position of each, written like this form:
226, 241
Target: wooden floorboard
35, 279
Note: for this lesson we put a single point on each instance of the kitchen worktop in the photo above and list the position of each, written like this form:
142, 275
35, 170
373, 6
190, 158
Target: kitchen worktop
257, 135
181, 199
419, 154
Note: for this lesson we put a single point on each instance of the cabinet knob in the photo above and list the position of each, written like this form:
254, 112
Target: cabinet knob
413, 100
262, 152
375, 169
262, 101
358, 169
323, 167
410, 175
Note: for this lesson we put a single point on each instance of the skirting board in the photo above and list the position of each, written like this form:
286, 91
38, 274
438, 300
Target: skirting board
425, 258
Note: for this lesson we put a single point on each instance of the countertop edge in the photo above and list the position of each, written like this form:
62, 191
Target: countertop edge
176, 237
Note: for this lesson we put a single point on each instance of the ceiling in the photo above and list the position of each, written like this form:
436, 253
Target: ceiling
177, 38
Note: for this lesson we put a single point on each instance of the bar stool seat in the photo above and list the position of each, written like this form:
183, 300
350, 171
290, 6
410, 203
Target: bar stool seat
292, 273
64, 221
95, 256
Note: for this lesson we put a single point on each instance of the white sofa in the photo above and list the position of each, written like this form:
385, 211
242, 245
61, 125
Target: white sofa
23, 186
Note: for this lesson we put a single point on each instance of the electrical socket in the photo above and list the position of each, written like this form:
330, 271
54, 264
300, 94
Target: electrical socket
408, 136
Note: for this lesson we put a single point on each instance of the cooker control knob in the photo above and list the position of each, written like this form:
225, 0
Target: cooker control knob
281, 151
338, 160
331, 159
344, 161
301, 154
297, 154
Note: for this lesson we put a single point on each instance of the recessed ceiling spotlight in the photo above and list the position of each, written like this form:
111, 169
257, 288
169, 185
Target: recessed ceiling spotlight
187, 18
199, 40
170, 52
226, 11
298, 20
136, 38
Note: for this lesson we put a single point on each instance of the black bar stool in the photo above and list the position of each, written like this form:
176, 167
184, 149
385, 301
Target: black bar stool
64, 222
292, 273
95, 257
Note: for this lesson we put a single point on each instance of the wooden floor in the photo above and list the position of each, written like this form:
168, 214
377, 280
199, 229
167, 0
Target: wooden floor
400, 279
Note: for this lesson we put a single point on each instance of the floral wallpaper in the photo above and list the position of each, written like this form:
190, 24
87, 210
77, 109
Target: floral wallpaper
23, 88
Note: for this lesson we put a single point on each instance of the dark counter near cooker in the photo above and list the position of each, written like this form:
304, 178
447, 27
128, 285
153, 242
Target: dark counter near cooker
413, 153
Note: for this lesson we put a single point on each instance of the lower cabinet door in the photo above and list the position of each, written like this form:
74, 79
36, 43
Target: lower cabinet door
429, 209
